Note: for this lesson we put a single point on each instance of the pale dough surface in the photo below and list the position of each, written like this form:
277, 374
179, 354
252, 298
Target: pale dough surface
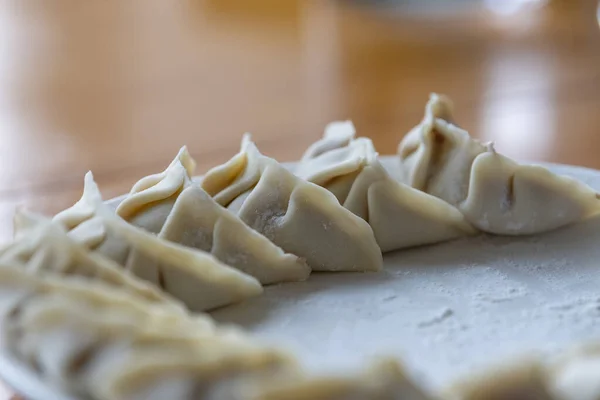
444, 309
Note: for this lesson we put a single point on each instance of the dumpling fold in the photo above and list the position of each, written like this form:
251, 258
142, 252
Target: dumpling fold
496, 194
382, 380
158, 192
300, 217
399, 215
43, 247
574, 375
196, 278
337, 134
196, 220
103, 344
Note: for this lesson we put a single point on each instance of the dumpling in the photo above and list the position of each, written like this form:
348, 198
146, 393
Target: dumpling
102, 344
151, 199
383, 380
30, 301
512, 199
400, 216
199, 280
571, 376
196, 220
496, 194
183, 374
521, 380
337, 135
43, 247
298, 216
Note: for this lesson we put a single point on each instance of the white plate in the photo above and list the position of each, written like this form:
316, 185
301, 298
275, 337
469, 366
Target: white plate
444, 309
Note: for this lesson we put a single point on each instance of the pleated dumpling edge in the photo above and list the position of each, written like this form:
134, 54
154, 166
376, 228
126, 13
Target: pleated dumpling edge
196, 278
189, 216
495, 193
43, 247
509, 198
298, 216
337, 134
400, 216
160, 190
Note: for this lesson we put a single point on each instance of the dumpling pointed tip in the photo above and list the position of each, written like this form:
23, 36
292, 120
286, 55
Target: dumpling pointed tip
91, 191
248, 144
89, 177
439, 106
183, 153
88, 180
438, 96
186, 160
246, 139
341, 129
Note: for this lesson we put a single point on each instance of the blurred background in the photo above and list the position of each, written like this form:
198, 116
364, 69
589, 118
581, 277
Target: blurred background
117, 86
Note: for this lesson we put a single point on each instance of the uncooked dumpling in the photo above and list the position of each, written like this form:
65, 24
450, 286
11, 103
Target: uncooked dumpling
157, 192
525, 379
298, 216
572, 376
384, 380
185, 374
43, 247
199, 280
31, 302
496, 194
337, 135
508, 198
103, 344
400, 216
196, 220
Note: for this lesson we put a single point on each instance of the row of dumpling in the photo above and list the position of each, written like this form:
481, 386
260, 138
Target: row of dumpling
97, 342
443, 185
250, 221
207, 244
90, 340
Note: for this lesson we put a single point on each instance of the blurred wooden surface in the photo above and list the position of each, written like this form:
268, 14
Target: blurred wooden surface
117, 86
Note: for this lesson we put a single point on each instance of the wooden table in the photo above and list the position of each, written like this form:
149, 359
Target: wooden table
117, 86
